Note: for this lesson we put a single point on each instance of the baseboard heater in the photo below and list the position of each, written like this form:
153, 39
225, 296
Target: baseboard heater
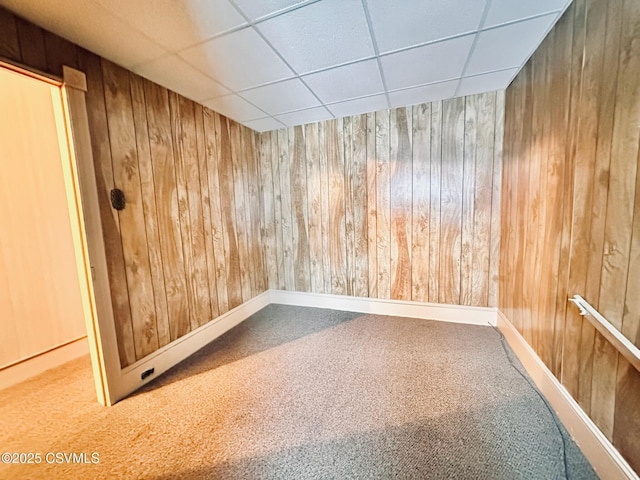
626, 348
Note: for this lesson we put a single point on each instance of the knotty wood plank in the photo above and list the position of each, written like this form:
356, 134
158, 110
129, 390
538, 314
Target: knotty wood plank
494, 258
325, 209
242, 222
359, 206
451, 200
228, 209
287, 220
372, 202
9, 44
127, 177
435, 168
420, 259
314, 199
164, 176
254, 181
248, 184
32, 44
348, 203
212, 136
482, 196
337, 243
147, 186
268, 205
205, 199
277, 195
468, 189
101, 151
400, 157
383, 196
299, 215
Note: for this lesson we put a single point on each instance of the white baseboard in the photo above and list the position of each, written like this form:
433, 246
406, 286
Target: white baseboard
398, 308
603, 456
170, 355
41, 363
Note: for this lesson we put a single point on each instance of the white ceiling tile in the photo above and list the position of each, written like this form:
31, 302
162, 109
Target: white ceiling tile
502, 11
342, 83
426, 93
239, 60
234, 107
509, 46
256, 9
487, 82
264, 124
320, 35
174, 73
281, 97
176, 25
317, 114
413, 22
359, 105
431, 63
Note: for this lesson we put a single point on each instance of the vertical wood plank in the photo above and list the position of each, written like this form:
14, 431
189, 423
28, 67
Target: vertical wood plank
372, 206
383, 227
32, 45
325, 202
205, 200
400, 157
147, 185
127, 177
451, 200
471, 113
359, 206
101, 150
59, 52
299, 215
348, 144
277, 195
241, 224
314, 199
228, 209
496, 206
213, 149
162, 158
337, 243
9, 44
268, 204
287, 220
619, 222
482, 145
435, 169
421, 188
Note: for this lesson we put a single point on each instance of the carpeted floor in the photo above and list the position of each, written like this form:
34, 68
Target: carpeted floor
299, 393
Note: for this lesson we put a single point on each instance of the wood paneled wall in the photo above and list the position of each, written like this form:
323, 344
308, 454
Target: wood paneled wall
400, 204
187, 247
571, 207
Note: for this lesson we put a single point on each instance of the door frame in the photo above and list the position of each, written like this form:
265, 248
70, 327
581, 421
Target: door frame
82, 198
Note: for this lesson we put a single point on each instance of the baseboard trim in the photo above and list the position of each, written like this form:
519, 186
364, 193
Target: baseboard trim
175, 352
605, 459
399, 308
28, 368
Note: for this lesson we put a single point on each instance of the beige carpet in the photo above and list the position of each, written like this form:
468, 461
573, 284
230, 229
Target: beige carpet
303, 393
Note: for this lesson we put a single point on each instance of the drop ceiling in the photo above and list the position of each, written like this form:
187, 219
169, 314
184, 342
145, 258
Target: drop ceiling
270, 64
